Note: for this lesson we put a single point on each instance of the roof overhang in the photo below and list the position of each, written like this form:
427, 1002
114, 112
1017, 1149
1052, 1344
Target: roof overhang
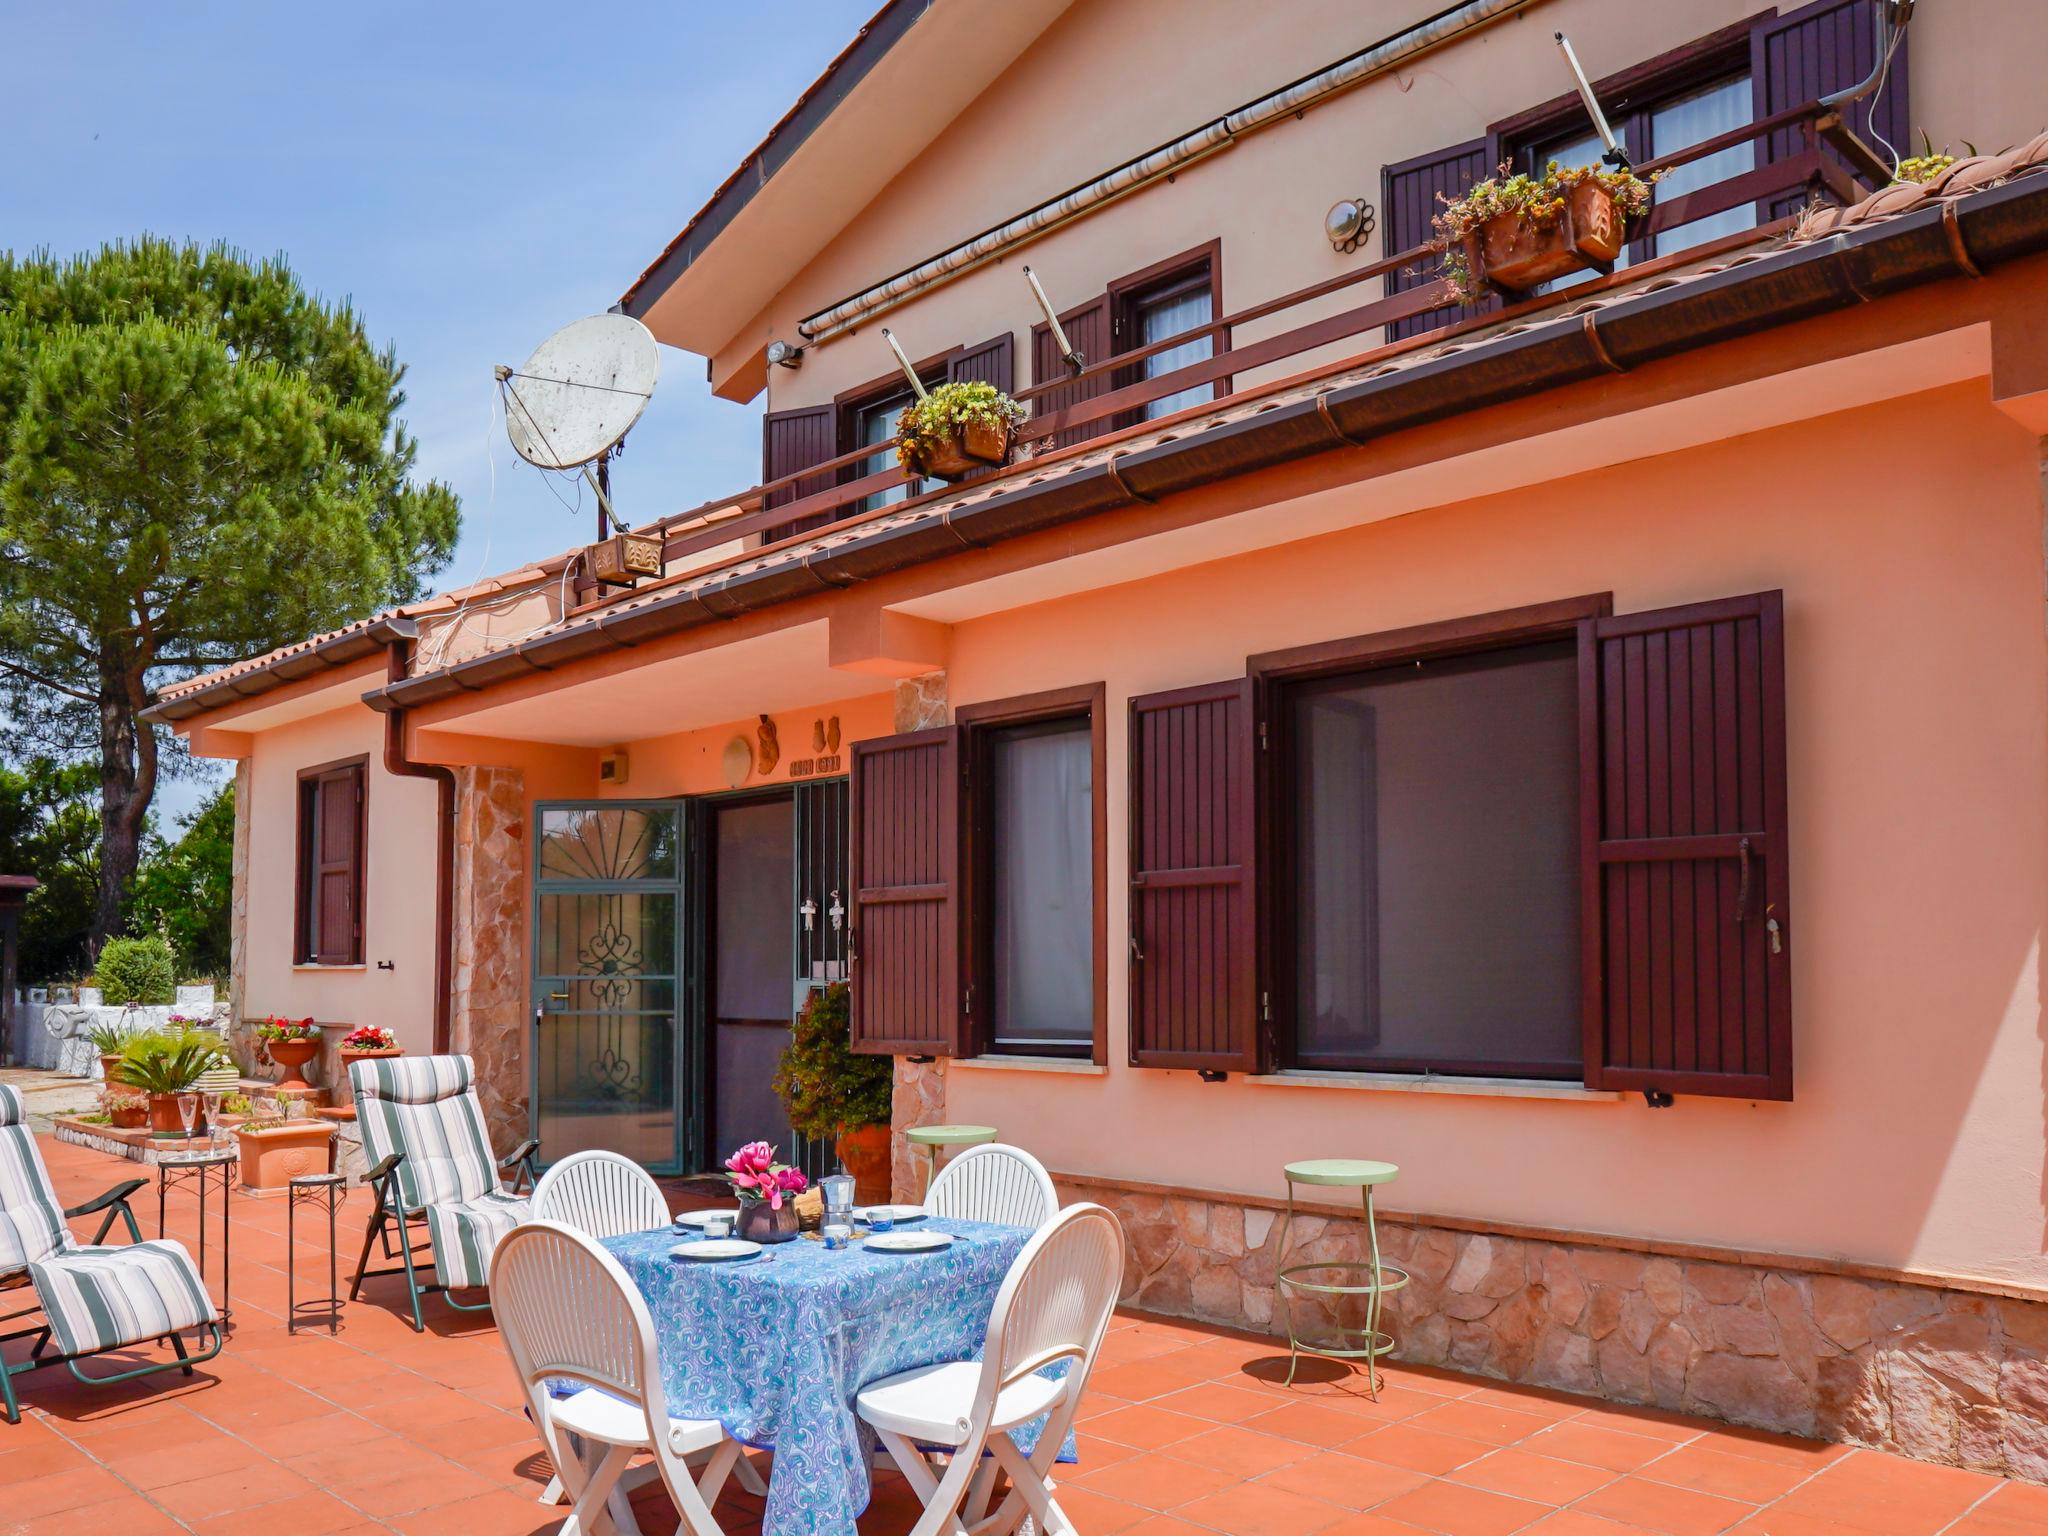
914, 68
318, 659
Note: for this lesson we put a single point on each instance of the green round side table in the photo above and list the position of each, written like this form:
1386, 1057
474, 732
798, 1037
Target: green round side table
1371, 1279
932, 1137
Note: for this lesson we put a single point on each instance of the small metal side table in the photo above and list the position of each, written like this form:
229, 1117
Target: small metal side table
1335, 1280
203, 1170
929, 1138
311, 1189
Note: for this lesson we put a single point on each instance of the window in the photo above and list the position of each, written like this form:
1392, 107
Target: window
874, 421
329, 900
1433, 834
1162, 302
1034, 976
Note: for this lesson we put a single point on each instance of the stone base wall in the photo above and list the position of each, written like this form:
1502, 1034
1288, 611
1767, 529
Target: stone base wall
488, 1009
1943, 1375
918, 1097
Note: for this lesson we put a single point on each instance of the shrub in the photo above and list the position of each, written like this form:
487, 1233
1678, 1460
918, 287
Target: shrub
140, 971
158, 1061
829, 1089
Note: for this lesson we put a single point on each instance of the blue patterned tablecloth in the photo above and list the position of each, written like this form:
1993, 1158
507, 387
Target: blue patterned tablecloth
776, 1348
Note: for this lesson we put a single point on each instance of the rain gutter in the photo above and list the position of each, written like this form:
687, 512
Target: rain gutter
340, 650
400, 765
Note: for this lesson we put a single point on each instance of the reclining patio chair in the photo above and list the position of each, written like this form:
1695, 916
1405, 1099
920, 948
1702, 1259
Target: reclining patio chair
431, 1165
93, 1298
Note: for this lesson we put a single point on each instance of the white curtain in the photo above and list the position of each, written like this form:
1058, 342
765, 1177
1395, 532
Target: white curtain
1167, 318
1044, 888
1692, 120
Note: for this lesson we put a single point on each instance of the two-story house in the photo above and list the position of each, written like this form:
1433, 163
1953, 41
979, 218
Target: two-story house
1588, 747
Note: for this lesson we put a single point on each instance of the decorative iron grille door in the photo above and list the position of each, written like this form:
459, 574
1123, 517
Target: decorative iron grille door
608, 899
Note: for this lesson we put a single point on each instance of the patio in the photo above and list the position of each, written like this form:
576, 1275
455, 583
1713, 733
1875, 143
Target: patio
1186, 1430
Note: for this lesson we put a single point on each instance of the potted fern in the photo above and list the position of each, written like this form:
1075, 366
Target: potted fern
1514, 231
836, 1095
953, 430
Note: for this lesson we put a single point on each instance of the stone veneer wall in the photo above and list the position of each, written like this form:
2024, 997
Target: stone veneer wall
1940, 1374
919, 1093
488, 1008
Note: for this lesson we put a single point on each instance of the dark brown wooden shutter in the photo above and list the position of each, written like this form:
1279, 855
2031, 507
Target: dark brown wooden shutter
1088, 329
794, 440
1194, 951
1408, 193
332, 837
1684, 823
1817, 49
991, 362
904, 873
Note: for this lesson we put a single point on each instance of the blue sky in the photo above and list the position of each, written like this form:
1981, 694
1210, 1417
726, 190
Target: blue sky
471, 175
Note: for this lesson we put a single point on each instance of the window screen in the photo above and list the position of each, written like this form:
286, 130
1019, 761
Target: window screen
1434, 832
1041, 886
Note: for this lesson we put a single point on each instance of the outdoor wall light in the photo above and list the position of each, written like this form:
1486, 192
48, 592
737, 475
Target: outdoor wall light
1347, 224
783, 355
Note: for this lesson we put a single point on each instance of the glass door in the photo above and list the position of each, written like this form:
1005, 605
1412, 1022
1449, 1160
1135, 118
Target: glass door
608, 884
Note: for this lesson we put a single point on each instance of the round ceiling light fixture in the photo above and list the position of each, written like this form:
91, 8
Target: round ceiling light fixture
1348, 223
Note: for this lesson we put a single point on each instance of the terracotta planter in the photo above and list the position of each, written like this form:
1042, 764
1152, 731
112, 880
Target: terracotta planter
759, 1222
107, 1064
132, 1114
275, 1155
1510, 252
864, 1153
292, 1055
976, 445
350, 1058
163, 1116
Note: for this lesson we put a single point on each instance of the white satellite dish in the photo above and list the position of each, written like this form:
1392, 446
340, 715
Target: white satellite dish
581, 391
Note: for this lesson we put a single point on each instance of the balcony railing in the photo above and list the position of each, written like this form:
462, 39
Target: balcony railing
1814, 154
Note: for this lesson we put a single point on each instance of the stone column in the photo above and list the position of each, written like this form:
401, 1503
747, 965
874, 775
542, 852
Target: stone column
488, 1008
919, 1093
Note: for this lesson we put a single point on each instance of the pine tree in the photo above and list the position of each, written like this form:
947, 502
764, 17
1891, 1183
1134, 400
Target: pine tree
199, 462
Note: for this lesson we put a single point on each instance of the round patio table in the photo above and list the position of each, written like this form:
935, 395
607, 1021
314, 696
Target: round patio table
776, 1347
1330, 1281
929, 1138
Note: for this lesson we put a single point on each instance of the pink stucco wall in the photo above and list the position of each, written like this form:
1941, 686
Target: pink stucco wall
1918, 745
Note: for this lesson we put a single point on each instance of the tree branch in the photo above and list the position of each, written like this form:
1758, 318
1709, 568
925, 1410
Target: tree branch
48, 682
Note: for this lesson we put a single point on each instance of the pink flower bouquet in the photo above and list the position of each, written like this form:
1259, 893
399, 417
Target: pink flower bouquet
758, 1179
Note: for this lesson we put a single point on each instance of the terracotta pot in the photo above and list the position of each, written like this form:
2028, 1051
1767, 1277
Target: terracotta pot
107, 1064
977, 445
1510, 252
163, 1116
345, 1090
273, 1156
133, 1114
864, 1153
292, 1055
759, 1222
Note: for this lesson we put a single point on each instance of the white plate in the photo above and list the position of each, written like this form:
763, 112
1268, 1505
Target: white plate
909, 1242
700, 1219
715, 1250
873, 1213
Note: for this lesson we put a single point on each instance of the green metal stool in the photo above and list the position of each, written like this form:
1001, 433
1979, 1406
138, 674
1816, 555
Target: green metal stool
1297, 1281
932, 1137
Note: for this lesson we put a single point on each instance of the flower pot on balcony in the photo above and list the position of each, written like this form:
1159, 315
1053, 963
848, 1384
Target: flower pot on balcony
272, 1156
864, 1153
293, 1055
970, 446
1511, 251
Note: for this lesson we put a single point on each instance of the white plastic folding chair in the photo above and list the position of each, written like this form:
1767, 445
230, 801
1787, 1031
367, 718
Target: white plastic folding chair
1055, 1305
994, 1182
570, 1314
602, 1194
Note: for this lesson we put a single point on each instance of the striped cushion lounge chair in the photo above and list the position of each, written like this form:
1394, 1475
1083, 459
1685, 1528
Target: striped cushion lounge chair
92, 1297
431, 1164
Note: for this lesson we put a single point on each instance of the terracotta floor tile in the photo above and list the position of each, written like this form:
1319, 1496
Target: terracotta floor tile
1545, 1479
1651, 1422
412, 1491
1094, 1512
1459, 1511
1167, 1525
128, 1516
483, 1515
1783, 1450
285, 1441
1660, 1507
1093, 1452
1733, 1477
1143, 1380
2011, 1509
28, 1450
1419, 1450
1245, 1452
1541, 1401
223, 1493
1158, 1481
1482, 1421
53, 1493
1253, 1509
1576, 1440
1351, 1481
1213, 1400
1369, 1525
174, 1463
305, 1514
1888, 1495
1310, 1423
1576, 1522
1147, 1427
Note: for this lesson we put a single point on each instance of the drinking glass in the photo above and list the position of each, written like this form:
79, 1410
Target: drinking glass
213, 1126
188, 1112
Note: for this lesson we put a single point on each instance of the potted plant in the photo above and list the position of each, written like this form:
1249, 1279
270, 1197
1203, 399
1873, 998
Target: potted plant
164, 1065
282, 1142
766, 1191
364, 1041
838, 1096
126, 1109
1515, 231
108, 1038
955, 429
142, 971
290, 1044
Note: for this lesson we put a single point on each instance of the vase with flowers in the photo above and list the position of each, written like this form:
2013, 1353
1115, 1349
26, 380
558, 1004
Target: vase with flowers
290, 1043
766, 1191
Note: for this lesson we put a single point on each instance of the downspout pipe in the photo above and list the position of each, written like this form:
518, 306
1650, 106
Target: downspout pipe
398, 764
1167, 159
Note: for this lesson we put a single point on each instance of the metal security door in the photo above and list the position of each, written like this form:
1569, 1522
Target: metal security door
608, 908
